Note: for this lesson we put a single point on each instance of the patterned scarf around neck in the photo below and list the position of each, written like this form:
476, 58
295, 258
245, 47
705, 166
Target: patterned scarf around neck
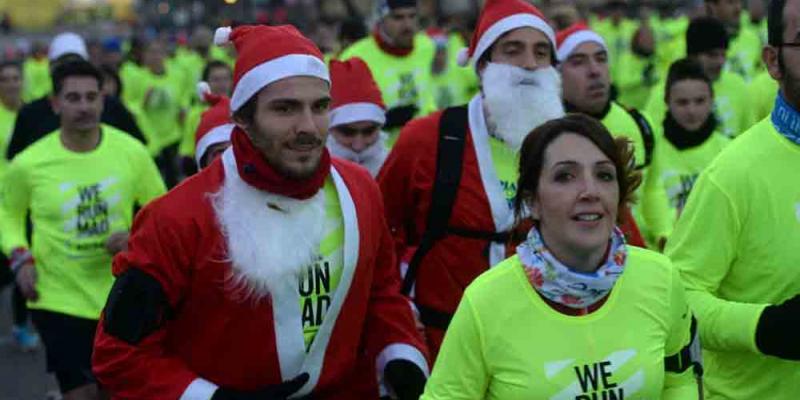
786, 119
560, 284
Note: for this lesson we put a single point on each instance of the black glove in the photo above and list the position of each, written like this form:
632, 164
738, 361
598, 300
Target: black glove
406, 378
396, 117
280, 391
776, 334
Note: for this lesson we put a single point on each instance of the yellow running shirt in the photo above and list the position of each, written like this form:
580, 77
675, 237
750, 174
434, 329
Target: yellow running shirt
318, 286
76, 201
505, 342
737, 246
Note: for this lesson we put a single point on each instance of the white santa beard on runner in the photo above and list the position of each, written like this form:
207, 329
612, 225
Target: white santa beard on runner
270, 238
517, 100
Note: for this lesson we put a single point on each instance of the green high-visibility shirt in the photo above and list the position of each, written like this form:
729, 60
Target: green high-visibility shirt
193, 117
618, 39
506, 343
402, 80
761, 95
652, 213
76, 201
681, 167
7, 120
736, 246
744, 53
733, 109
157, 102
37, 82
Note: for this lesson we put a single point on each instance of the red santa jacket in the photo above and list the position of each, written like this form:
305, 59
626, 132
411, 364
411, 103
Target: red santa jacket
217, 339
406, 181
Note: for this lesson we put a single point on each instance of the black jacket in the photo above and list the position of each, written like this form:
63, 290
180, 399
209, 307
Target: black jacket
37, 119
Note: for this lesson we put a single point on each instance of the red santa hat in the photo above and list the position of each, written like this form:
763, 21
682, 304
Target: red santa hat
499, 17
268, 54
355, 95
215, 123
569, 39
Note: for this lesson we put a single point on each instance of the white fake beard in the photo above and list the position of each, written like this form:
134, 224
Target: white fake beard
267, 248
517, 100
371, 158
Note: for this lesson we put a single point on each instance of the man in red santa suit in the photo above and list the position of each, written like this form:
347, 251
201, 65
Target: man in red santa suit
213, 134
357, 115
270, 274
513, 54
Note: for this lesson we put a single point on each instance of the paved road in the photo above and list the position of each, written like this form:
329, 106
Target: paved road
22, 375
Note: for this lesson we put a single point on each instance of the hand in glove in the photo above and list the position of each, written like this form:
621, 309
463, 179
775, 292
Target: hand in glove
405, 378
396, 117
280, 391
776, 333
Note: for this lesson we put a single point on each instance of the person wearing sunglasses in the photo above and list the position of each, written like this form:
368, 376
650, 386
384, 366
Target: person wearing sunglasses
736, 242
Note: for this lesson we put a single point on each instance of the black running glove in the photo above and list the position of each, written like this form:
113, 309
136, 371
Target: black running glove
396, 117
406, 378
776, 334
280, 391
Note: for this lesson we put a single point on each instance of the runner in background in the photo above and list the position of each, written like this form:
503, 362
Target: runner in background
736, 241
707, 43
692, 138
11, 85
357, 116
37, 119
585, 72
450, 181
213, 135
80, 184
218, 78
400, 58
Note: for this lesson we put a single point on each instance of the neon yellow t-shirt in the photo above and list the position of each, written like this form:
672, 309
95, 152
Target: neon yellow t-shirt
652, 213
37, 82
319, 284
158, 101
456, 85
193, 118
7, 120
402, 80
505, 161
682, 167
76, 201
736, 246
732, 107
744, 53
505, 342
618, 38
762, 92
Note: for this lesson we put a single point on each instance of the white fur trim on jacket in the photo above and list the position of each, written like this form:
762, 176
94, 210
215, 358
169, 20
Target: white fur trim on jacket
398, 351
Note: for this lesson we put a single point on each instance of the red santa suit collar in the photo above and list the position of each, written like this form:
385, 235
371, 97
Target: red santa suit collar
255, 170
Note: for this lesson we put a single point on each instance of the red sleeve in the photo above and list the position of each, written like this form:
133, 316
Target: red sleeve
396, 180
146, 370
390, 321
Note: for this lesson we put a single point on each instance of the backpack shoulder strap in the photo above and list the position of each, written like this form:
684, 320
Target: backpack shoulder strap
648, 137
450, 154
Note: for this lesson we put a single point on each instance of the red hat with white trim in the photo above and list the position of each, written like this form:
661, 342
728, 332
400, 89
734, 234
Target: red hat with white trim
569, 39
215, 124
268, 54
354, 93
499, 17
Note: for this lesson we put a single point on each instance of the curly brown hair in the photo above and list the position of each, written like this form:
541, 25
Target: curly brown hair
531, 158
